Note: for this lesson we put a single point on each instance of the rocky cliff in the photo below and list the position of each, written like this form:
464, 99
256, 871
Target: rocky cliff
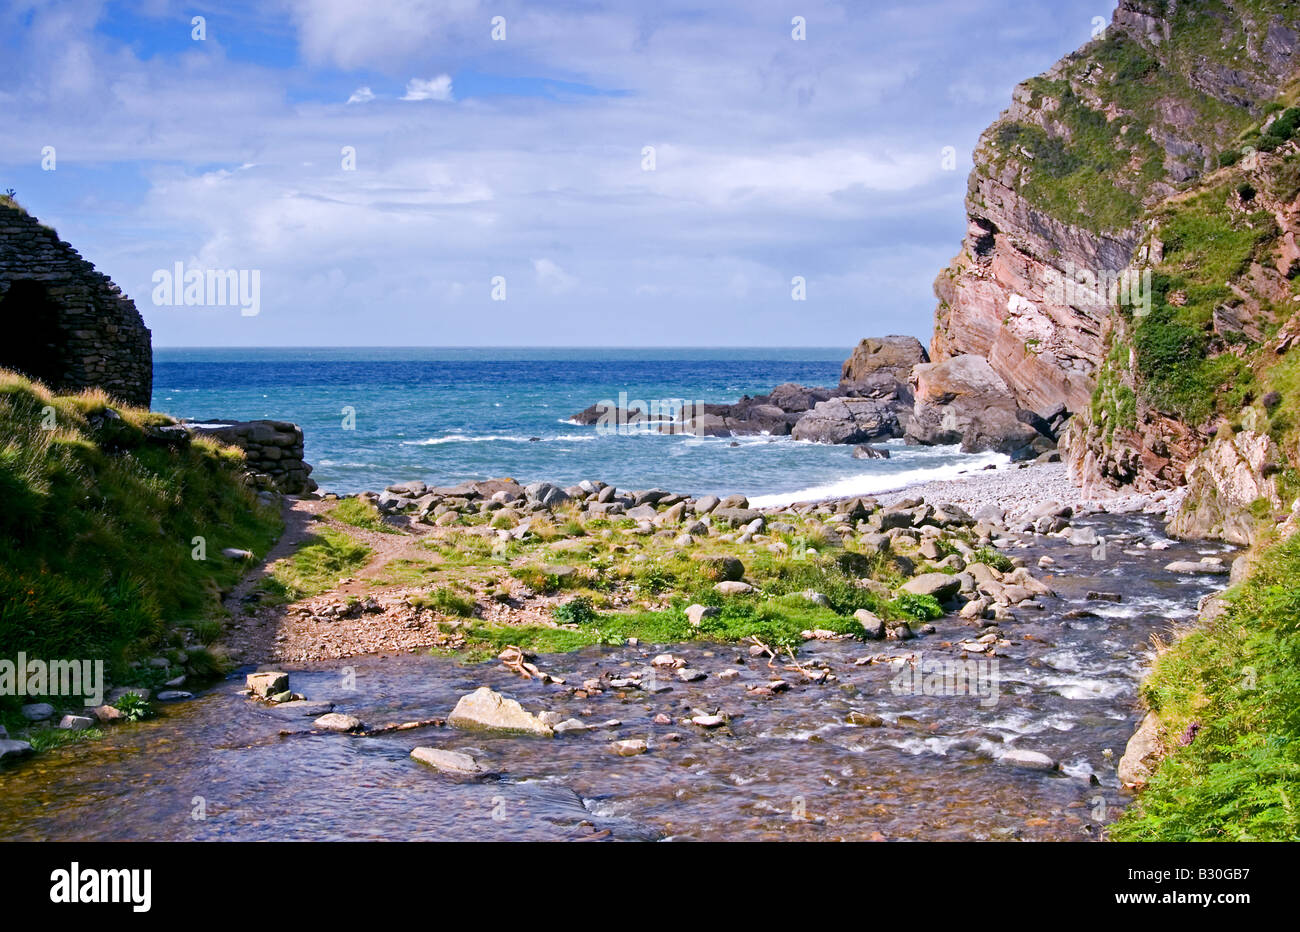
1130, 254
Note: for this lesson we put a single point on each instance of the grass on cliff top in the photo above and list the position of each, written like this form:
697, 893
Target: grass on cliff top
1231, 689
98, 527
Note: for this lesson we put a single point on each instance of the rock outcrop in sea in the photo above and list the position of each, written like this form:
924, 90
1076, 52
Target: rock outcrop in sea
888, 389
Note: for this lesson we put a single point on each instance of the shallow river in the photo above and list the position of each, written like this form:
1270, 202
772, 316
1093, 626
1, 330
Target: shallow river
788, 766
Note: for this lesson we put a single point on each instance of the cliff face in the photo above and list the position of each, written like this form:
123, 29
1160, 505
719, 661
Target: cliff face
1113, 263
1063, 178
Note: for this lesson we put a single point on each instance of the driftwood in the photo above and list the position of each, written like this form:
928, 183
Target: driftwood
367, 732
515, 660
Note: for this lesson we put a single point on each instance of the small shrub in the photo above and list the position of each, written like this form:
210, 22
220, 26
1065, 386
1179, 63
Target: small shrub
134, 707
446, 602
918, 607
991, 556
576, 611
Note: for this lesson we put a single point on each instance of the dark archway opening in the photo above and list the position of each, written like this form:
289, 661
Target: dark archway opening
33, 341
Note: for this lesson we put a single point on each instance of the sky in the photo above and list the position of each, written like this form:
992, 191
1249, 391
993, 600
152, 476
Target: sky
466, 173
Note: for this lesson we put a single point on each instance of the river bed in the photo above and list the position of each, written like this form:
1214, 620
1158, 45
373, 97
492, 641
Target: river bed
787, 766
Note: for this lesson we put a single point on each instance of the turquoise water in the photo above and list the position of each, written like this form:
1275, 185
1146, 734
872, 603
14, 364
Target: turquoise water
447, 415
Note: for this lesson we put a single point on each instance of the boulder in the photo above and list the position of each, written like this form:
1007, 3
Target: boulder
720, 567
871, 624
1030, 760
337, 721
11, 750
1142, 754
107, 714
735, 517
37, 711
795, 399
1235, 472
733, 587
849, 420
76, 722
892, 355
267, 684
695, 614
940, 585
485, 710
1207, 569
962, 400
452, 763
864, 452
545, 494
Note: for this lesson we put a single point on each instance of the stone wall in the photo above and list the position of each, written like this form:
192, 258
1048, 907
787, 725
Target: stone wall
65, 323
273, 449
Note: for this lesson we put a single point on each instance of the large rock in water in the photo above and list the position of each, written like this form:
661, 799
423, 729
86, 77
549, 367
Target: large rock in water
962, 400
940, 585
485, 710
895, 355
849, 420
452, 763
1143, 753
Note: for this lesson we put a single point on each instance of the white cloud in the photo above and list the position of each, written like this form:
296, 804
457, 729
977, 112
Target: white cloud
553, 278
355, 35
774, 159
438, 88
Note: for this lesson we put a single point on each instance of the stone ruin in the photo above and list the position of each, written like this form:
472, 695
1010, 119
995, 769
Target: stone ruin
272, 451
66, 324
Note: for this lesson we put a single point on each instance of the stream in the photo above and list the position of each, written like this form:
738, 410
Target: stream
787, 766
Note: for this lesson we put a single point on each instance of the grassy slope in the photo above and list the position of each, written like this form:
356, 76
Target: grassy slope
1233, 688
97, 529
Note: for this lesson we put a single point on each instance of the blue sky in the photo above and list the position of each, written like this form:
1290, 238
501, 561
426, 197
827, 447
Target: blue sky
521, 159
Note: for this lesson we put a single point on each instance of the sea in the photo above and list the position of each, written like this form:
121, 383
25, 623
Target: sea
373, 417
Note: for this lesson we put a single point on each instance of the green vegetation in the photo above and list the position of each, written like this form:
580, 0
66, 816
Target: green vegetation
45, 738
778, 622
1099, 161
102, 524
576, 611
134, 707
315, 567
918, 607
360, 513
1228, 697
445, 602
1181, 368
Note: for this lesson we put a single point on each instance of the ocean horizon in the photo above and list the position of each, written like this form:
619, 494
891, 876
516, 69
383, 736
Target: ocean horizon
374, 416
